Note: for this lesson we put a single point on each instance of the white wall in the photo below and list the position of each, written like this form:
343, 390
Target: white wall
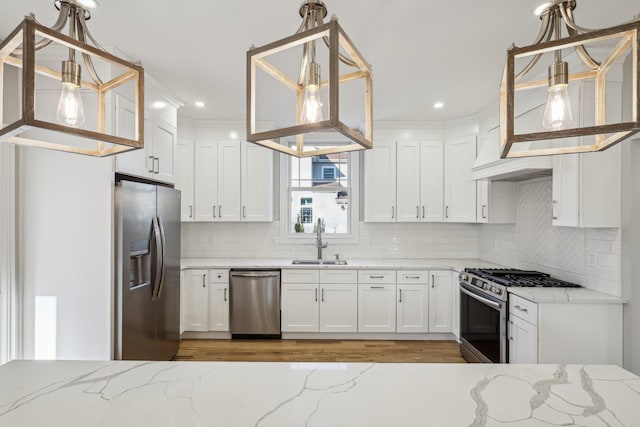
376, 240
589, 257
65, 248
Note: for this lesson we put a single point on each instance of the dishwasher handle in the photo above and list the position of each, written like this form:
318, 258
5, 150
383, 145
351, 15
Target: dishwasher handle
265, 274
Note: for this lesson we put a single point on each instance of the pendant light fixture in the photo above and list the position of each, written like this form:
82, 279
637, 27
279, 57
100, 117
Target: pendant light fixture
297, 64
77, 120
585, 75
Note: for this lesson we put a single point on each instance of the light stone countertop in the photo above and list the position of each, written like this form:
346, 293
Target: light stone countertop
456, 264
178, 394
566, 295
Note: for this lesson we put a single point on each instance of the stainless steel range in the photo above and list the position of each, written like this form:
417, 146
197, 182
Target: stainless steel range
484, 309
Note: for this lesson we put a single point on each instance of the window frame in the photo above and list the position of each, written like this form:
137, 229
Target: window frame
286, 236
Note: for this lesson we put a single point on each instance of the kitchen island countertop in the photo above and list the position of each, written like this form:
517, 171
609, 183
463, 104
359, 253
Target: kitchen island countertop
172, 394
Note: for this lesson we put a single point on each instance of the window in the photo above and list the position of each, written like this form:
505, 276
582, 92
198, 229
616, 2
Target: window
319, 188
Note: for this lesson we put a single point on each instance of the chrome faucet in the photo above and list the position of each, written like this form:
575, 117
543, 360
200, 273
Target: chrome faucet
319, 243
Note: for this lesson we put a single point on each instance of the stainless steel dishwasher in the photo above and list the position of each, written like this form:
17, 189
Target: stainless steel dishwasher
254, 303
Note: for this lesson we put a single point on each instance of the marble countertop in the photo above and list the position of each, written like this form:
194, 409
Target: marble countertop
172, 394
566, 295
456, 264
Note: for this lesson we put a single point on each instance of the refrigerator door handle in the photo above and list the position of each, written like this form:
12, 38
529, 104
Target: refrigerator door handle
162, 242
158, 261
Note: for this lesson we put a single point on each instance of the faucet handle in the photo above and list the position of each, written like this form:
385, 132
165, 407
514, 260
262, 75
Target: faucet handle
337, 257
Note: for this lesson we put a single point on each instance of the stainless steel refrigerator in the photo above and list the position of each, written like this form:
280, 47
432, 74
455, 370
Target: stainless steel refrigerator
147, 294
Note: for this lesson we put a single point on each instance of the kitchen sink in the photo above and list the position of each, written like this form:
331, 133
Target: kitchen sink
319, 262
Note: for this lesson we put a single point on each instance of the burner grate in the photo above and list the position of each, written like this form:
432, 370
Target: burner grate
520, 278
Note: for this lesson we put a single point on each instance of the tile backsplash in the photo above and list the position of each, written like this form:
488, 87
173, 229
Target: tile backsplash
376, 240
587, 256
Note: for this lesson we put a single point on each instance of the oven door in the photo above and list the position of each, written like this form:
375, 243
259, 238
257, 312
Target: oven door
482, 327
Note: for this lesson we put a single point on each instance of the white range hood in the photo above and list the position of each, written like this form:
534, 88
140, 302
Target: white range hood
489, 165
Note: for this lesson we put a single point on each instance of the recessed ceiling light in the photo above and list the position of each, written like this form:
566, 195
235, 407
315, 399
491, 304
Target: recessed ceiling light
233, 135
158, 105
539, 10
200, 104
438, 105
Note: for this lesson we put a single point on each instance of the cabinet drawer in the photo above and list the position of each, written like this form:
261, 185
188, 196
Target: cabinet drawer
339, 276
412, 276
218, 276
524, 309
376, 276
300, 276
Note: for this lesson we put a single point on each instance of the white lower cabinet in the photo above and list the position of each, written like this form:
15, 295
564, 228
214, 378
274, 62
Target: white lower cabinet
219, 300
441, 289
523, 341
338, 307
377, 308
300, 309
196, 301
412, 310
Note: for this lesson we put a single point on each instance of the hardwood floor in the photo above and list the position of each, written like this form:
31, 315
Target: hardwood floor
320, 351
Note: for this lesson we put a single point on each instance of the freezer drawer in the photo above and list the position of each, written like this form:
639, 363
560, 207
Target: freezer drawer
254, 302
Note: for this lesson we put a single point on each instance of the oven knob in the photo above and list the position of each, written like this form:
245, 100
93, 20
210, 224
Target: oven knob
485, 285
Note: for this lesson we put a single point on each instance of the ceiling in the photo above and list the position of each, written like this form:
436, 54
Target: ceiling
421, 51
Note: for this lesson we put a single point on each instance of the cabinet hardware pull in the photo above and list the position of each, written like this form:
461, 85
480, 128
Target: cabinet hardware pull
521, 308
433, 281
393, 212
214, 211
377, 287
156, 161
411, 277
376, 277
322, 296
316, 294
554, 203
225, 294
152, 161
422, 211
446, 211
244, 212
484, 215
220, 211
400, 295
418, 212
190, 211
203, 279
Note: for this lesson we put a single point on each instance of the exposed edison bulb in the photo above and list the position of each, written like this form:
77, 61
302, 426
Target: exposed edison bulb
557, 112
70, 109
311, 104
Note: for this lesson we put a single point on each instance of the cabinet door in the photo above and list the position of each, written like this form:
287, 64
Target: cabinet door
196, 301
432, 181
300, 307
523, 341
134, 162
412, 308
164, 137
482, 207
185, 178
257, 183
219, 307
441, 301
380, 182
228, 181
565, 190
376, 308
206, 181
408, 182
338, 308
459, 187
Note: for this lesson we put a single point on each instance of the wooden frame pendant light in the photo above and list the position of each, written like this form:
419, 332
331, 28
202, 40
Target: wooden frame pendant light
27, 60
595, 130
311, 34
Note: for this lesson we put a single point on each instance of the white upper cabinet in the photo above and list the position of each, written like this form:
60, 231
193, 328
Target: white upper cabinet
586, 189
185, 178
228, 181
380, 182
459, 187
157, 160
496, 202
257, 183
419, 181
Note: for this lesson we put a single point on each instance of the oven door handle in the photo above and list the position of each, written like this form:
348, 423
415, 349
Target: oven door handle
487, 301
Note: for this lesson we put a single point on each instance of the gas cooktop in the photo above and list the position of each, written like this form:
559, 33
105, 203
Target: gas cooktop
523, 278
